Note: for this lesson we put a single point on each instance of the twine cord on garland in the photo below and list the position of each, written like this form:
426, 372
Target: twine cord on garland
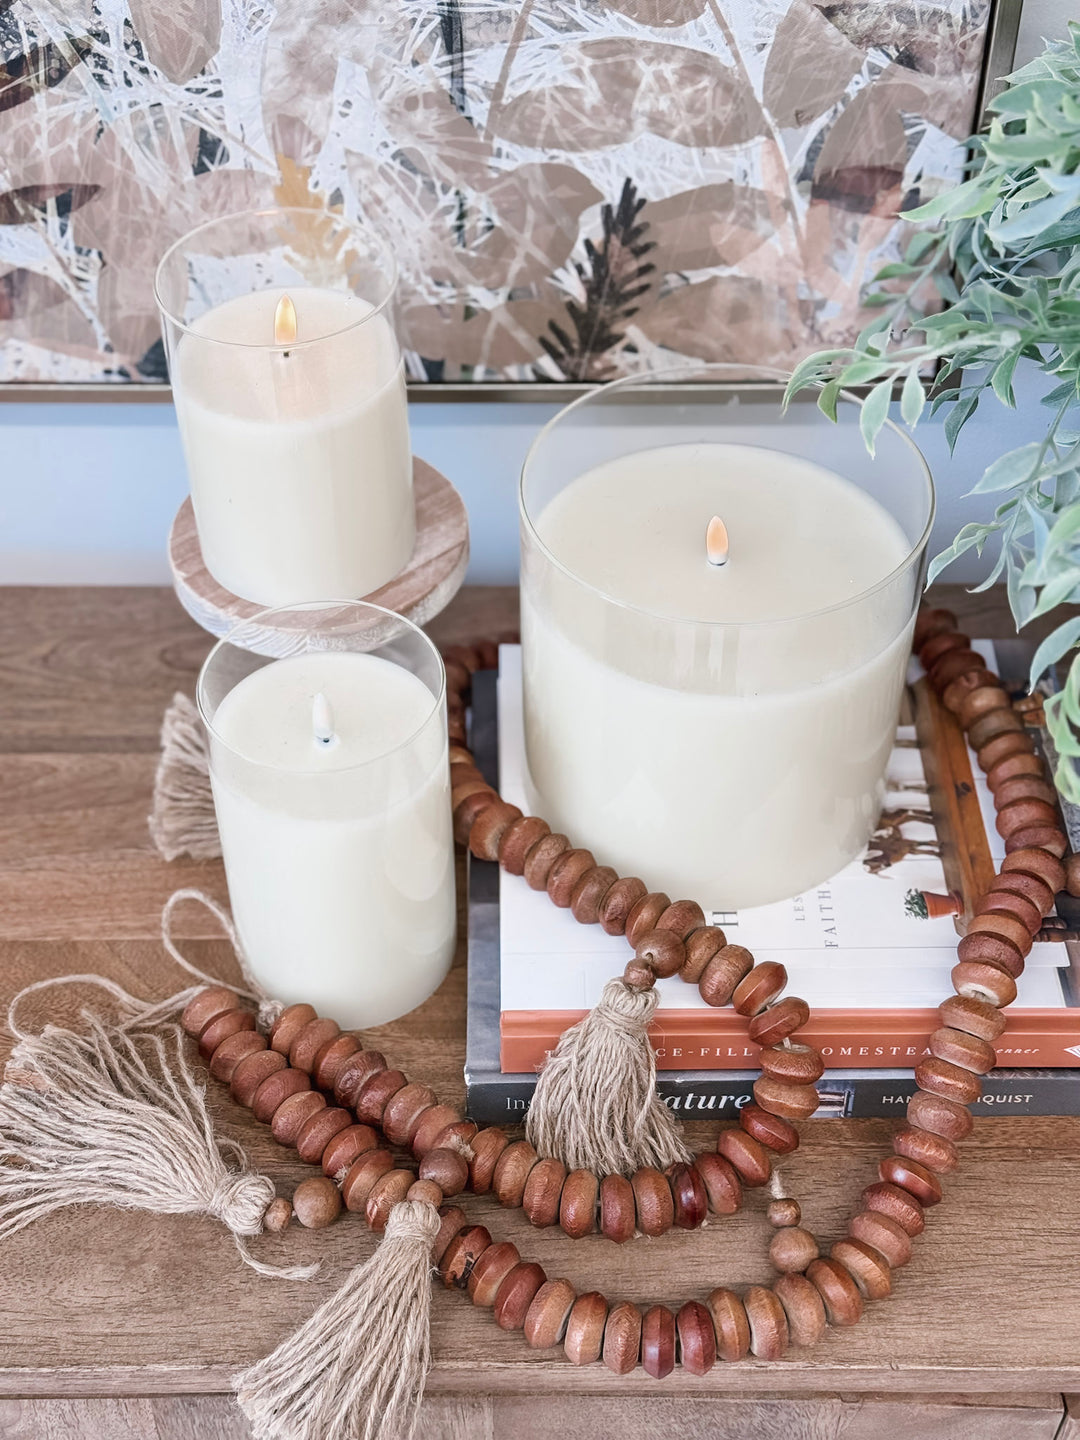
182, 819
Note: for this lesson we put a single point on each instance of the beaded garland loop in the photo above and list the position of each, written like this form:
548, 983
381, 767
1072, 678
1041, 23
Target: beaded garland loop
345, 1109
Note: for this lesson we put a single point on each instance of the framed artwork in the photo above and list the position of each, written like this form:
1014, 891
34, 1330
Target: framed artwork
575, 189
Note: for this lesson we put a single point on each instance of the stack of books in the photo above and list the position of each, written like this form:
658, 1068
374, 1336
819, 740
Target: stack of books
859, 948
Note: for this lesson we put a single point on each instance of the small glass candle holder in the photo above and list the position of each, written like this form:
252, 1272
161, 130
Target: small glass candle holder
290, 396
711, 706
331, 786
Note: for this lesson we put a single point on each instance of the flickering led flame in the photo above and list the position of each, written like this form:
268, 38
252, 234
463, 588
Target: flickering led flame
322, 720
716, 541
284, 322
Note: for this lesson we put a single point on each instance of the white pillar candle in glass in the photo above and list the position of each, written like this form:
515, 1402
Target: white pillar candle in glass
290, 396
710, 706
331, 787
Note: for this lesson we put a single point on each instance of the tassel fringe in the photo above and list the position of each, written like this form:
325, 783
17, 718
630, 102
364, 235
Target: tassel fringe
182, 820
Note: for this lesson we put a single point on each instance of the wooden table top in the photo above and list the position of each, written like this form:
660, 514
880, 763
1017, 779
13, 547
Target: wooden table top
100, 1302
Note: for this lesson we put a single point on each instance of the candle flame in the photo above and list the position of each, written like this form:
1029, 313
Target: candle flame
284, 322
322, 720
716, 541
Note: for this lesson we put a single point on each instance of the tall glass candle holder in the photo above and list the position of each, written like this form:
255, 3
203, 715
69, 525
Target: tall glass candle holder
290, 395
331, 786
711, 706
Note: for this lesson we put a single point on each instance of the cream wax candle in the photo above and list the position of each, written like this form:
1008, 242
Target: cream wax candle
331, 788
711, 706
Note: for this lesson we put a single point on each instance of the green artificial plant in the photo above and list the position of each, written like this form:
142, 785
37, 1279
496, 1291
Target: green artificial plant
1004, 252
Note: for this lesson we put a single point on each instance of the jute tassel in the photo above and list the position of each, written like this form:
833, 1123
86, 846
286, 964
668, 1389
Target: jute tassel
182, 820
595, 1106
356, 1369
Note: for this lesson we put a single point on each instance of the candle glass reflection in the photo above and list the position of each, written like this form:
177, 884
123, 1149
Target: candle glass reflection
720, 730
330, 778
290, 396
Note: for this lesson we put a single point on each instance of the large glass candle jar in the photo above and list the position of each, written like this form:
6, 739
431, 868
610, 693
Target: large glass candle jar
331, 787
717, 603
290, 396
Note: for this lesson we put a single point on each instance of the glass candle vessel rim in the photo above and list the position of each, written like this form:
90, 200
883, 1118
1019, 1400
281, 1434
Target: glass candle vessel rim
437, 705
684, 375
385, 253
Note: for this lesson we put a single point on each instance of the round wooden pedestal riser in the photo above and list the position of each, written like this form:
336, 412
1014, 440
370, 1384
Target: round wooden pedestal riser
426, 586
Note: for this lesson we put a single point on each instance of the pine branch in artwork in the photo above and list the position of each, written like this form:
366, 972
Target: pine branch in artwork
613, 276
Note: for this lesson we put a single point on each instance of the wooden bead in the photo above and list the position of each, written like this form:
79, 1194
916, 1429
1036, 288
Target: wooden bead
427, 1192
448, 1168
730, 1323
293, 1112
487, 830
1013, 742
784, 1098
909, 1175
516, 1294
1047, 837
689, 1196
747, 1155
979, 980
958, 1048
784, 1212
653, 1201
974, 1017
490, 1270
888, 1198
234, 1050
402, 1112
777, 1022
585, 1328
318, 1130
354, 1075
250, 1071
577, 1203
1032, 887
311, 1039
1000, 922
941, 1077
458, 679
221, 1027
565, 874
843, 1302
681, 917
772, 1131
330, 1059
939, 1116
701, 945
615, 909
932, 621
1024, 787
883, 1234
957, 691
697, 1338
940, 644
432, 1123
317, 1202
933, 1151
543, 1192
206, 1006
466, 812
662, 951
951, 666
463, 655
981, 701
346, 1147
1037, 862
459, 1257
1072, 875
547, 1315
804, 1308
376, 1093
274, 1090
518, 839
982, 945
589, 892
724, 973
617, 1212
541, 858
277, 1215
723, 1189
488, 653
511, 1173
622, 1338
288, 1025
998, 902
866, 1266
389, 1190
799, 1063
487, 1147
760, 988
768, 1323
1021, 762
644, 914
793, 1248
991, 725
658, 1342
451, 1223
639, 975
1022, 815
356, 1187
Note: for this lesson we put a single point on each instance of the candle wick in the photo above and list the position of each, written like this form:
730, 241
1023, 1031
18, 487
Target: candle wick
322, 721
716, 541
284, 323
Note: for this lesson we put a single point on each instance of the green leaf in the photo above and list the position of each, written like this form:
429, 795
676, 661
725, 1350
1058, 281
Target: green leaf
1010, 469
1053, 648
958, 416
912, 398
874, 412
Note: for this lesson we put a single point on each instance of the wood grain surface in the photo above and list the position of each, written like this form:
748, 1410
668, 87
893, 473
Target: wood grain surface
102, 1303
